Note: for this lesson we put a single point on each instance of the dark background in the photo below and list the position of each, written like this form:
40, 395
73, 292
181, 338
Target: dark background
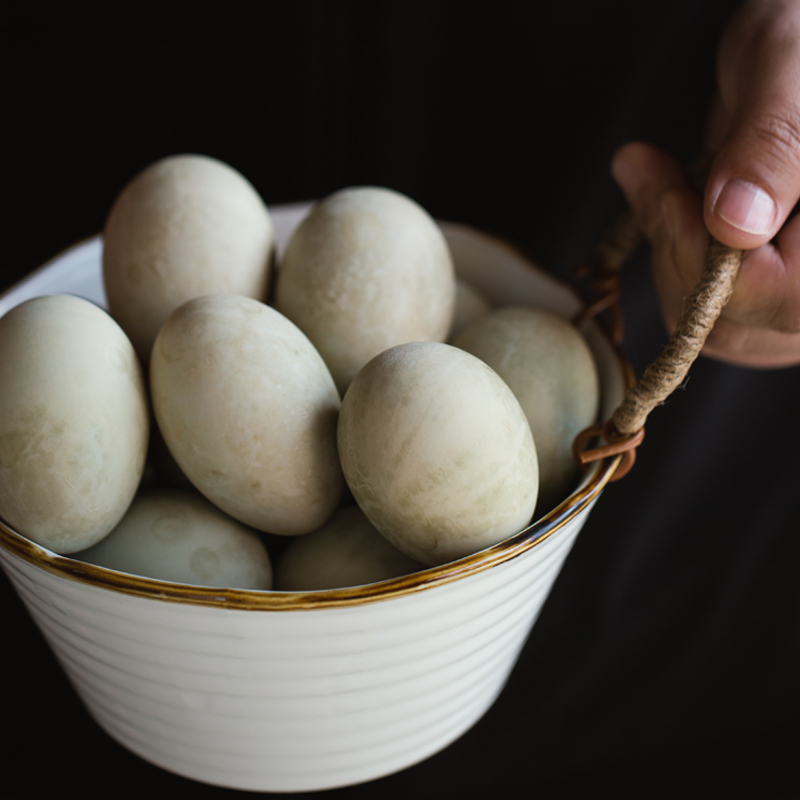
666, 660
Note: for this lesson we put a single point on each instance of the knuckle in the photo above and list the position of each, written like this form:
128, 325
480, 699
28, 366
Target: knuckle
779, 132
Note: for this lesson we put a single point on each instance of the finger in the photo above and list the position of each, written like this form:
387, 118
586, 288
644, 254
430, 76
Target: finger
760, 326
755, 178
747, 346
767, 291
678, 260
645, 174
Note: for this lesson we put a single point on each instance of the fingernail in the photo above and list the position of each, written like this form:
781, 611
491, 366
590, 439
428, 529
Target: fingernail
627, 174
746, 206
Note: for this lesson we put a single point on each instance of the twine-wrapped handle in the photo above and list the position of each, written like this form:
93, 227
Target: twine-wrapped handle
624, 431
668, 371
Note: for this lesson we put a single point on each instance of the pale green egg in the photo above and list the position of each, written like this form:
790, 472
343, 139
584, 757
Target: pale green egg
346, 551
471, 304
548, 365
186, 226
367, 269
179, 536
73, 422
437, 452
248, 410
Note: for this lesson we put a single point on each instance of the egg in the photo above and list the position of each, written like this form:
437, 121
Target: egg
437, 452
346, 551
548, 365
73, 422
471, 305
248, 410
367, 269
186, 226
178, 536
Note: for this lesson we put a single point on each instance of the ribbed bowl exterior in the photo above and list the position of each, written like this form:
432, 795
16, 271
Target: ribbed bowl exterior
283, 691
293, 700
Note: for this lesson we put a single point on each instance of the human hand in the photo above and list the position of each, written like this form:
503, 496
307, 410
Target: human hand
752, 187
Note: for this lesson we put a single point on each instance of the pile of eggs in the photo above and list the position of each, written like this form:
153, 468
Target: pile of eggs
356, 397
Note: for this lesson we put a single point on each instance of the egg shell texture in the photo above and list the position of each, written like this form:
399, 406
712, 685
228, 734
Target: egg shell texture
548, 365
73, 422
367, 269
186, 226
248, 409
179, 536
437, 452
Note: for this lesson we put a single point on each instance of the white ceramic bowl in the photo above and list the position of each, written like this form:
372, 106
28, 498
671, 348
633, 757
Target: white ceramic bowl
283, 691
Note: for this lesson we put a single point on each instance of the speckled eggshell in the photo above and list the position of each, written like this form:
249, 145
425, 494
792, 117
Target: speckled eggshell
367, 269
346, 551
548, 365
248, 410
178, 536
437, 452
186, 226
73, 422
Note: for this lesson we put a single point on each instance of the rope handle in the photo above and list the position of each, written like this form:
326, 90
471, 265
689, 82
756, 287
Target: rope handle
624, 431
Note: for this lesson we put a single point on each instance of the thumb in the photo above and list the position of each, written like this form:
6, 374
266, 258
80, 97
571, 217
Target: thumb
754, 182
